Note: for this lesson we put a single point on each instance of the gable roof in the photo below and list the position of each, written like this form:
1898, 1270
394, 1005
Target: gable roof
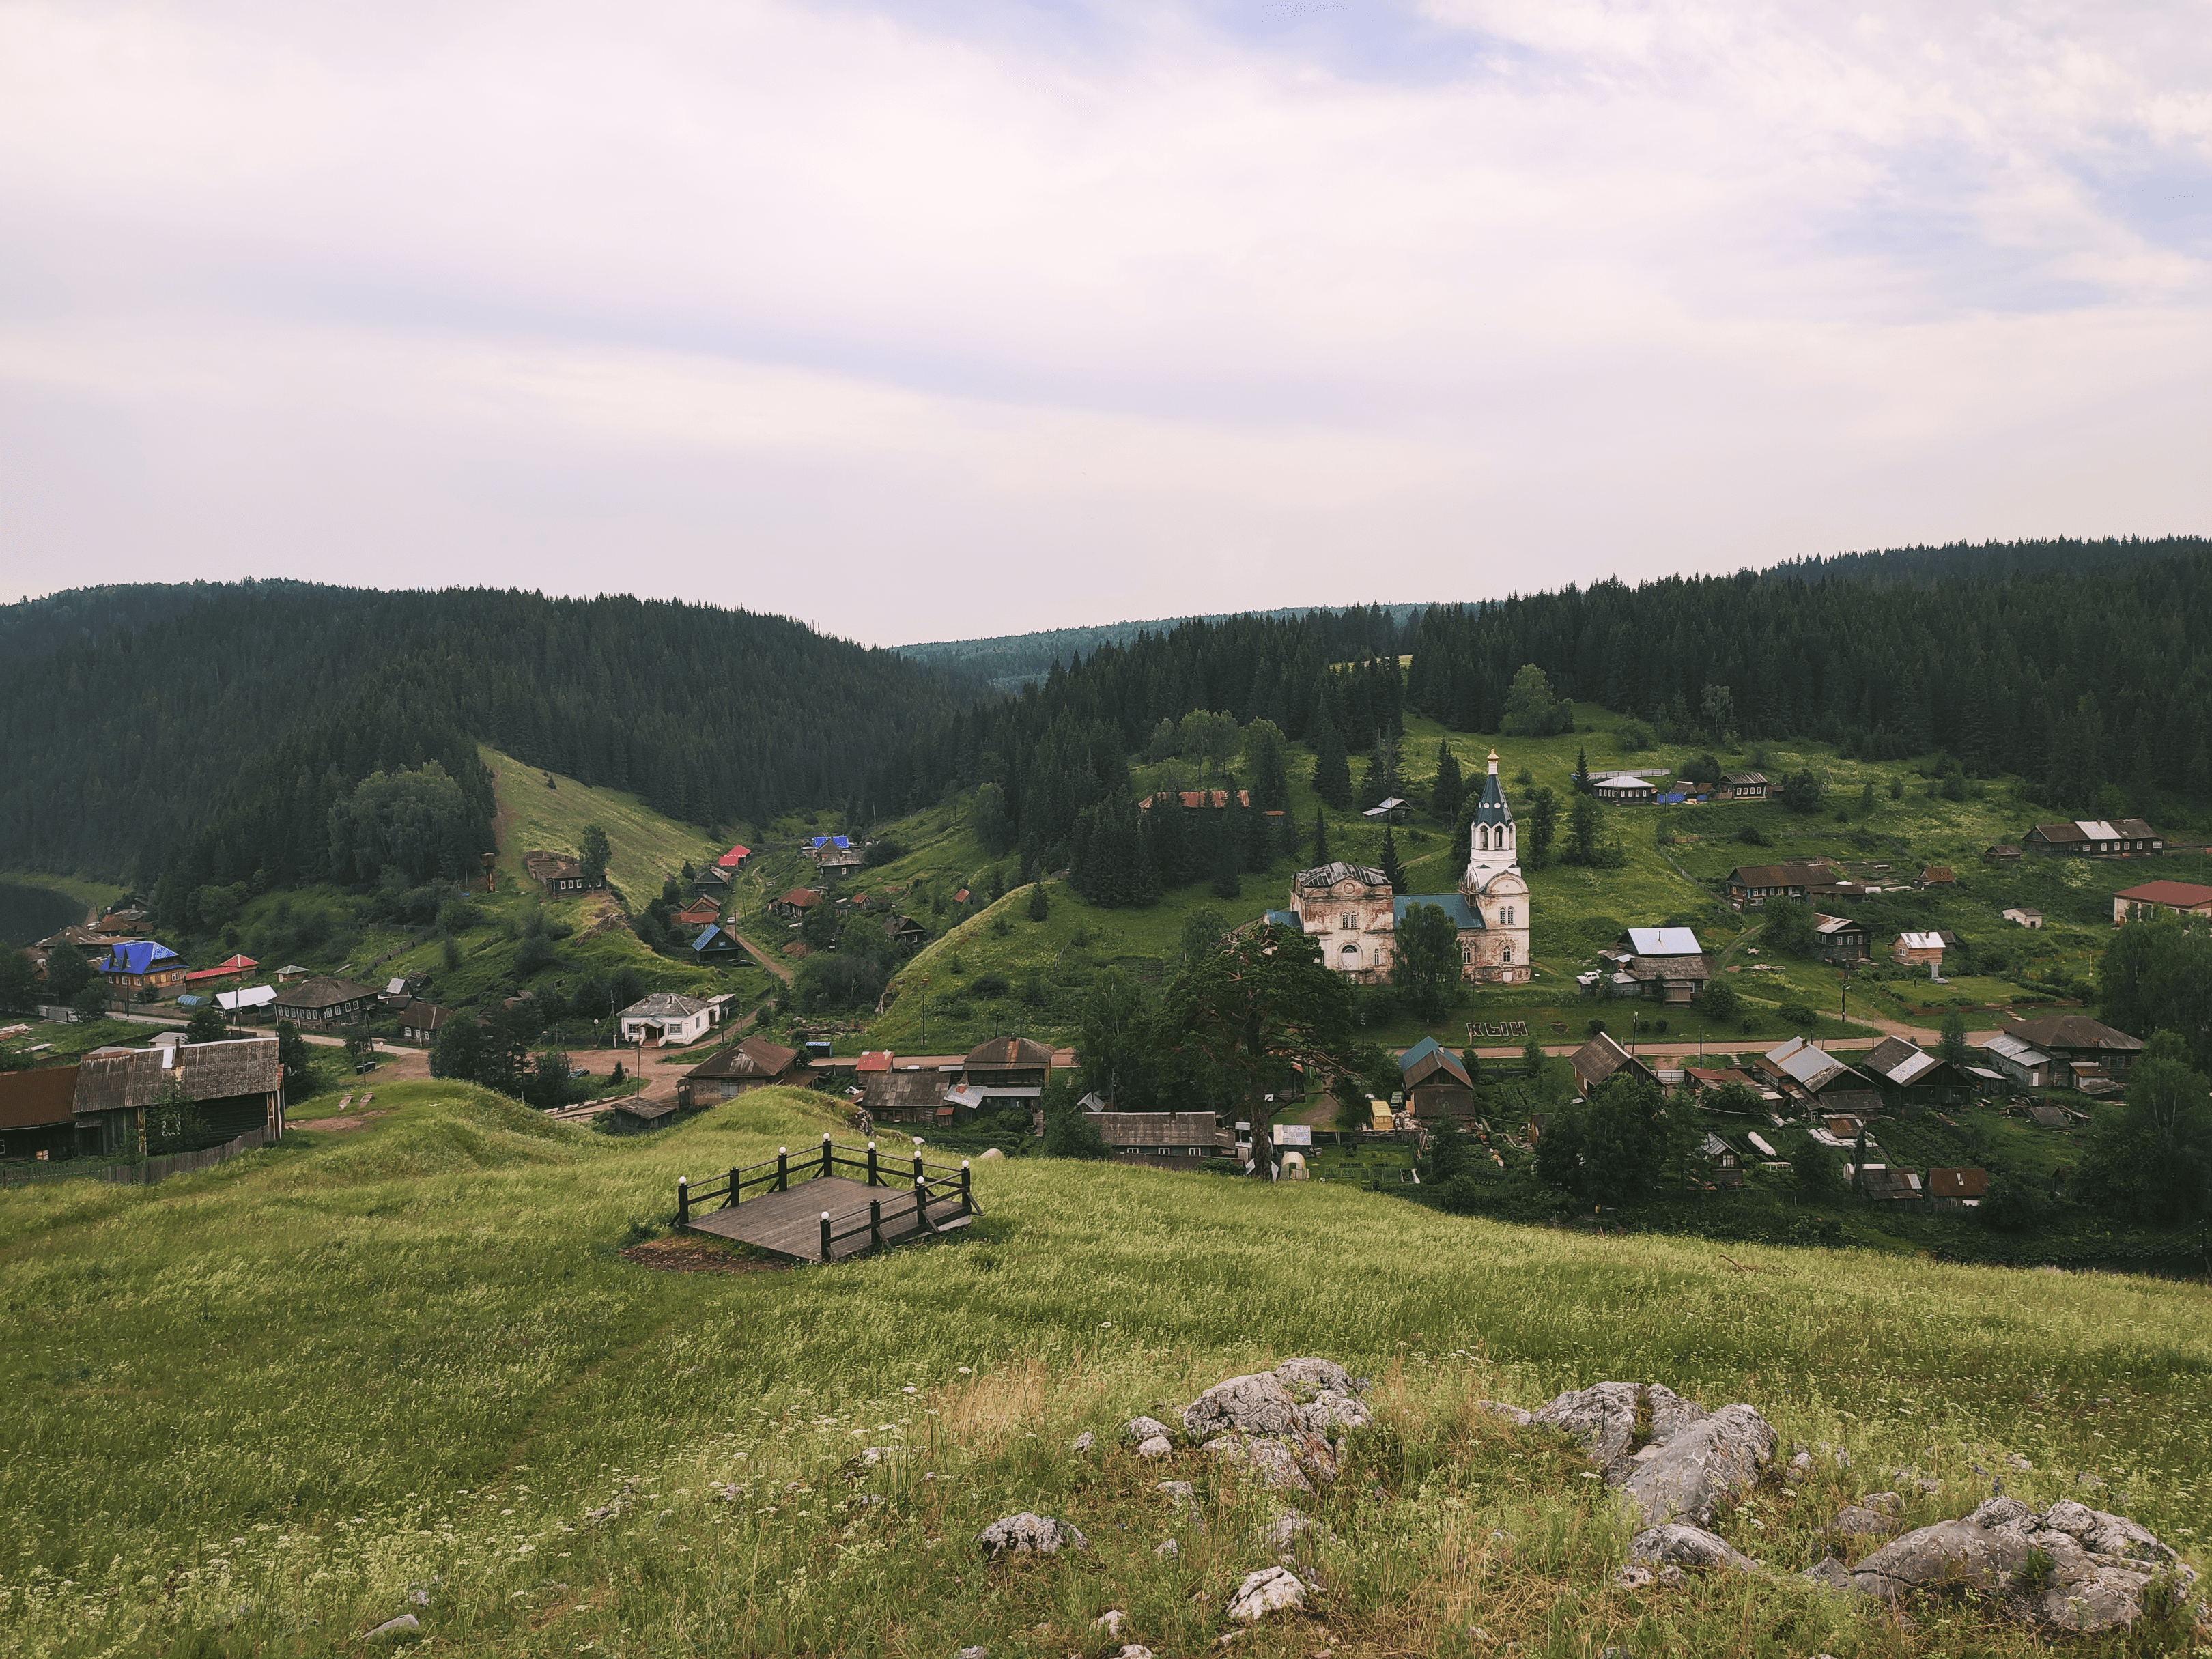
2182, 894
137, 956
875, 1059
755, 1057
322, 991
735, 855
663, 1005
210, 1071
2075, 1031
1811, 1067
801, 899
421, 1016
1780, 875
1011, 1051
1958, 1183
1425, 1059
2014, 1048
1452, 904
1664, 942
1912, 941
1599, 1059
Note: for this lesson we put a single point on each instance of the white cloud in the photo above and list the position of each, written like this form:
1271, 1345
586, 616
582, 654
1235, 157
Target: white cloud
1126, 314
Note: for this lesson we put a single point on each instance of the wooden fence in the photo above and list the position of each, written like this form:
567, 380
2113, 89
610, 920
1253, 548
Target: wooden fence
143, 1173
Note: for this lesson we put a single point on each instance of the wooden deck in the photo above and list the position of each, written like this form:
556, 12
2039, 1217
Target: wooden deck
790, 1223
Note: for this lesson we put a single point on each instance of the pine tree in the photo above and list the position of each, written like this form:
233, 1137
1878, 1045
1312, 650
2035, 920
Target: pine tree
1582, 770
1320, 838
1444, 794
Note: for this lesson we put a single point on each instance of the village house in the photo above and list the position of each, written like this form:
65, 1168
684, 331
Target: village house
1957, 1189
666, 1018
38, 1117
420, 1022
2024, 916
1390, 810
1004, 1071
1598, 1061
2093, 837
1723, 1159
2019, 1061
1664, 964
2183, 898
2086, 1051
2003, 853
252, 1002
733, 860
1623, 788
753, 1063
236, 1086
88, 942
1838, 938
699, 913
556, 873
1918, 949
1435, 1083
1909, 1075
1741, 786
1193, 800
137, 966
891, 1093
1938, 875
204, 980
794, 904
1750, 885
905, 931
1159, 1141
715, 943
323, 1001
714, 881
1808, 1075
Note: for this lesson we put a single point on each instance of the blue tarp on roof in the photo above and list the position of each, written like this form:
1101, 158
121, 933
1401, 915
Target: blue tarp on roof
841, 842
140, 956
1452, 904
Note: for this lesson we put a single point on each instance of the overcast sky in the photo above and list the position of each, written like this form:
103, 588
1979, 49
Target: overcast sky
955, 318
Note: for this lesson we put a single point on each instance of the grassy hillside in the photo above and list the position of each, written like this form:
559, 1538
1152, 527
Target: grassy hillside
1672, 861
648, 845
255, 1408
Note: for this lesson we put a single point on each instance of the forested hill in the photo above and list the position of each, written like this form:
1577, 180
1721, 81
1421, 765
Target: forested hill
219, 724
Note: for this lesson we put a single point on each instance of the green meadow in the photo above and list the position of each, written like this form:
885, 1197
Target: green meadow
263, 1409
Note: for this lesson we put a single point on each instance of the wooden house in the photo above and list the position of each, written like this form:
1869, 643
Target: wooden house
1838, 938
1193, 800
715, 943
88, 942
1600, 1060
1938, 875
754, 1063
1625, 788
2018, 1061
2094, 838
1957, 1189
1162, 1140
1664, 964
1918, 949
1908, 1075
714, 883
1741, 786
556, 873
666, 1018
236, 1086
733, 860
1435, 1083
1750, 885
794, 904
2183, 898
38, 1116
1723, 1161
1803, 1072
137, 966
2003, 853
906, 931
700, 912
420, 1022
1004, 1070
323, 1001
2023, 916
2081, 1045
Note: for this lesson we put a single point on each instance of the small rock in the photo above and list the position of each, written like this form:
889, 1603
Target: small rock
975, 1653
1082, 1443
2014, 1460
1029, 1534
1181, 1491
1169, 1550
1158, 1446
1133, 1651
1110, 1621
1671, 1576
1137, 1429
1632, 1576
400, 1626
1512, 1414
1268, 1590
1831, 1573
988, 1154
1802, 1460
1687, 1547
1283, 1531
1867, 1520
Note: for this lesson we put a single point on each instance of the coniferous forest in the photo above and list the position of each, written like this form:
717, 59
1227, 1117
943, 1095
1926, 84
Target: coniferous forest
218, 733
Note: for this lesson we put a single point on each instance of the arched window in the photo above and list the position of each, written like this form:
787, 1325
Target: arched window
1506, 916
1482, 837
1509, 953
1466, 957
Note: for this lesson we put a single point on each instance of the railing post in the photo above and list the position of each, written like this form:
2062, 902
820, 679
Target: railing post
967, 1204
922, 1205
920, 1181
876, 1222
783, 1169
825, 1152
732, 1202
682, 1200
874, 1180
826, 1235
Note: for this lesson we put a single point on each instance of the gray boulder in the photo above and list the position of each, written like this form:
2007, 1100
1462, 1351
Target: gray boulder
1028, 1533
2072, 1568
1271, 1589
405, 1624
1603, 1417
1875, 1516
1137, 1429
1676, 1546
1158, 1446
1330, 1409
1275, 1460
1704, 1463
1831, 1574
1258, 1404
1512, 1414
1309, 1377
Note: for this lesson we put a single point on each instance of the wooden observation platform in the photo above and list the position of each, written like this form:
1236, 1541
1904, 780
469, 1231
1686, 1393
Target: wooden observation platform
808, 1212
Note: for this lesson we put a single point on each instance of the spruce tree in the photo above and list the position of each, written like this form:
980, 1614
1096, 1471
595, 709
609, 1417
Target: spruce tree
1321, 837
1393, 871
1332, 778
1444, 794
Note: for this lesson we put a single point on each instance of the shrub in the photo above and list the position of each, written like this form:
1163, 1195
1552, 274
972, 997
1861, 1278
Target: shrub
1752, 836
1798, 1014
1596, 1027
988, 986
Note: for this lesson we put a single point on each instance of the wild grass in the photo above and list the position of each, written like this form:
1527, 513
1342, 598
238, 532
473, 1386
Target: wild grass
648, 846
254, 1409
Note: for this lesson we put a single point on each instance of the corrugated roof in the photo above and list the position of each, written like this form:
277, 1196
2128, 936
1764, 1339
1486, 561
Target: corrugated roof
2182, 895
2075, 1031
138, 956
1921, 941
735, 855
210, 1071
1664, 942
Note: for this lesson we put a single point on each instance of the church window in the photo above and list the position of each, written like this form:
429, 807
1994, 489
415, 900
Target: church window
1505, 916
1466, 957
1509, 953
1351, 924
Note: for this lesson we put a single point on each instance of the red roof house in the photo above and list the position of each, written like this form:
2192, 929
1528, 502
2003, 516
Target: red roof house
237, 967
735, 858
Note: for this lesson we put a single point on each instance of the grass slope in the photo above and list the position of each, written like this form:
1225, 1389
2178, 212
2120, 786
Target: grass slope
254, 1408
648, 847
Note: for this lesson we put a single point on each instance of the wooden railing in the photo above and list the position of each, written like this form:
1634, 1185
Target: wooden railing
926, 1182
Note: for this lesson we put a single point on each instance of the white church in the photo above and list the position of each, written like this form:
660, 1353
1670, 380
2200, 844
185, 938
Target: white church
1351, 911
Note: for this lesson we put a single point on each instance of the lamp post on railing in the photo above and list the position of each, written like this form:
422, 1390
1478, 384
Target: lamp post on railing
826, 1235
682, 1200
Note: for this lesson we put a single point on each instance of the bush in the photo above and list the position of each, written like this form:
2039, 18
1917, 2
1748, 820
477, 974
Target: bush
1798, 1014
988, 986
1597, 1028
1752, 836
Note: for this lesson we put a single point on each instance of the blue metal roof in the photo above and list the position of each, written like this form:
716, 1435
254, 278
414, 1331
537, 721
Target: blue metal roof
1418, 1052
1451, 904
706, 936
139, 956
841, 842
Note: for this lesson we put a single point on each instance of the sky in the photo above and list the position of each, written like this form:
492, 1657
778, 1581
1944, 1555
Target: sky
969, 317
